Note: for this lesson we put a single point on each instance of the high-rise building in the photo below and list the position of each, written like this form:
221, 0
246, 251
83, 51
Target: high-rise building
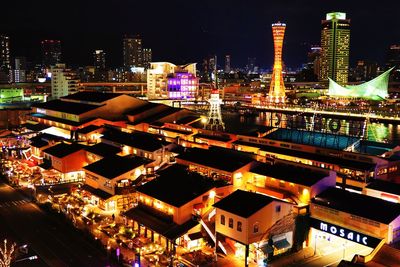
63, 81
314, 59
51, 52
365, 70
335, 44
5, 53
99, 59
277, 87
227, 68
5, 65
251, 64
393, 60
18, 72
132, 51
147, 57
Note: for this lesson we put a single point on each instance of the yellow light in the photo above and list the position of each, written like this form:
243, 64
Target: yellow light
203, 119
305, 191
212, 194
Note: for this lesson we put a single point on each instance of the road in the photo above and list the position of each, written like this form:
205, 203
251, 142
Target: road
56, 243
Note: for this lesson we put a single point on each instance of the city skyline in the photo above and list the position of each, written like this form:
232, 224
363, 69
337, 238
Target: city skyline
237, 29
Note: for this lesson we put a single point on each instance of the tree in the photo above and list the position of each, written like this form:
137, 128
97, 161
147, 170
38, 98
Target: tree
6, 254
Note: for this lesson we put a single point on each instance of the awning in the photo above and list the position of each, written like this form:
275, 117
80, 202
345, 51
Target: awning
195, 236
281, 244
267, 249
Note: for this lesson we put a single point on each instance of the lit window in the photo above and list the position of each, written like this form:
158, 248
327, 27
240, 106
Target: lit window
230, 223
222, 219
255, 228
239, 226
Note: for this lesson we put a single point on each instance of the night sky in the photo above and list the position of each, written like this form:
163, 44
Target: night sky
186, 31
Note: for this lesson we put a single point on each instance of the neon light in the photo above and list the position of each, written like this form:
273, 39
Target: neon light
277, 88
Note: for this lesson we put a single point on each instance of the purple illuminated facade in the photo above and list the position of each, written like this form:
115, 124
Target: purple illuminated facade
183, 86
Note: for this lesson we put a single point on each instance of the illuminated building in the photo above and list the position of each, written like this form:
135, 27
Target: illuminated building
18, 73
5, 65
63, 81
277, 88
335, 43
157, 77
183, 86
147, 57
248, 220
227, 68
132, 51
99, 59
51, 52
171, 215
375, 89
363, 223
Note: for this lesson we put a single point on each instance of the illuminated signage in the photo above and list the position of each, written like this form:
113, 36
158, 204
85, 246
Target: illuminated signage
345, 233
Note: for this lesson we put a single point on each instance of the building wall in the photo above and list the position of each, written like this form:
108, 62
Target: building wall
347, 220
70, 163
224, 229
266, 218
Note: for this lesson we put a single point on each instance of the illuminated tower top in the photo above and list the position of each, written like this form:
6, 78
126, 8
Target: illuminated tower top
277, 88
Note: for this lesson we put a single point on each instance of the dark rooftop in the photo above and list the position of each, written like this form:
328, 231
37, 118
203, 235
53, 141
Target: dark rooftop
103, 149
168, 229
88, 129
97, 192
358, 204
36, 127
311, 156
95, 97
177, 186
243, 203
221, 159
140, 140
253, 130
66, 107
187, 120
385, 186
114, 166
141, 109
39, 143
290, 173
62, 149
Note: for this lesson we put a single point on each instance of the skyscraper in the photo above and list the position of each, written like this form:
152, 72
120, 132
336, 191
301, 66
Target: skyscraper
227, 63
5, 53
147, 57
99, 59
18, 73
393, 60
5, 65
335, 44
51, 52
132, 51
277, 87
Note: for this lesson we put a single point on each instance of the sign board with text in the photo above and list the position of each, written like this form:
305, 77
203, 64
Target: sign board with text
345, 233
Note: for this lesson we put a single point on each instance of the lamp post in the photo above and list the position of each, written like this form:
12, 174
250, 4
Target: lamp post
315, 244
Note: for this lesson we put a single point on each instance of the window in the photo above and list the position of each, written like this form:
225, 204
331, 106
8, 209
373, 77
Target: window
278, 208
239, 226
222, 219
230, 223
255, 228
